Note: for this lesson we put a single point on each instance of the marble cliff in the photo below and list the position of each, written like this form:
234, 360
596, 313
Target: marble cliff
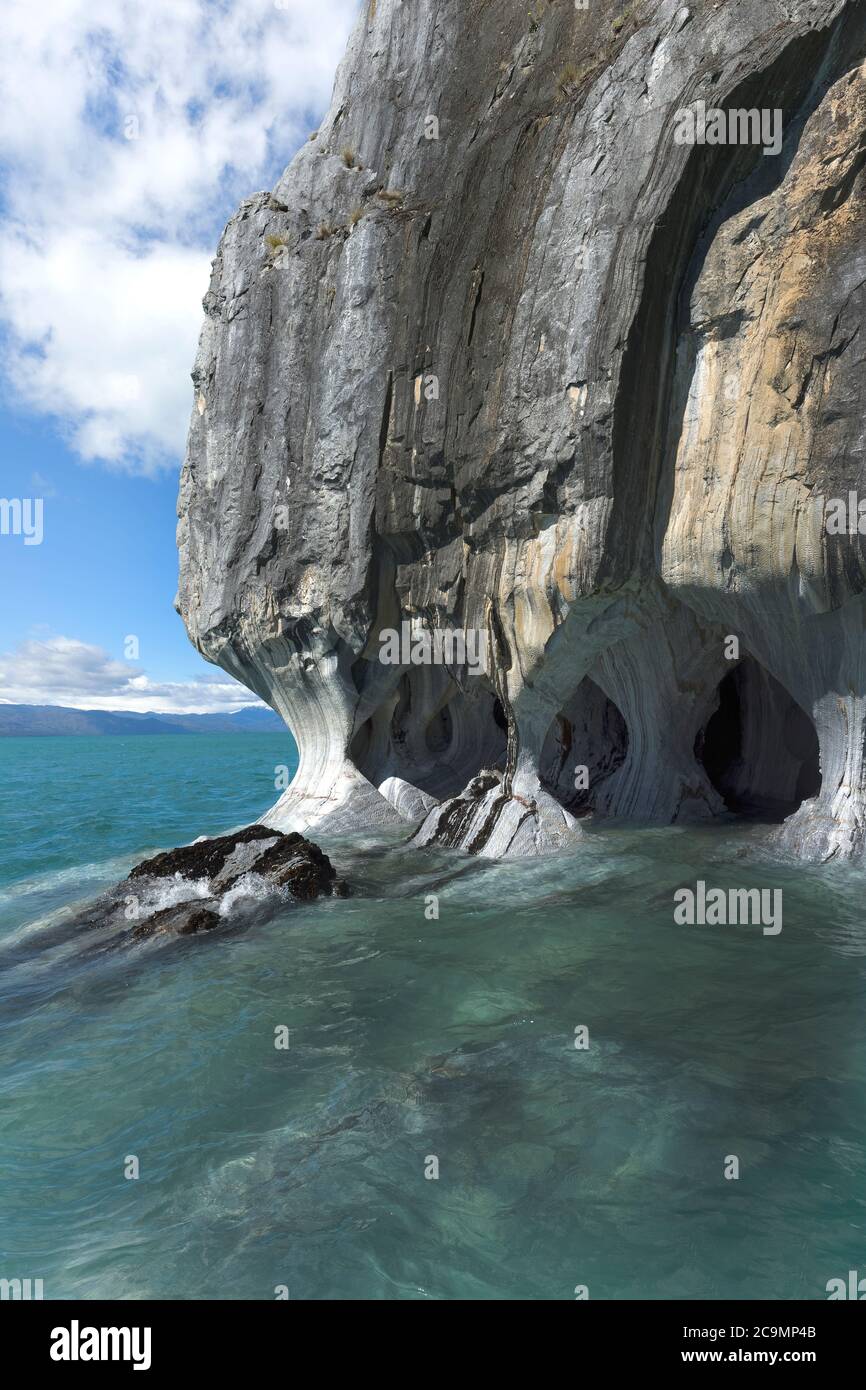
505, 353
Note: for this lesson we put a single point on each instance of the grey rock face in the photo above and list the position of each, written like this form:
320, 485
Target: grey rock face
556, 379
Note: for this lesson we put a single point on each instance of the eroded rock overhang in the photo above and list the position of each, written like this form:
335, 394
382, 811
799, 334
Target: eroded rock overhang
501, 355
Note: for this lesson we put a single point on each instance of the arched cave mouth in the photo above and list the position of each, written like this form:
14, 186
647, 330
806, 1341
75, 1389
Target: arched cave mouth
588, 732
447, 747
759, 748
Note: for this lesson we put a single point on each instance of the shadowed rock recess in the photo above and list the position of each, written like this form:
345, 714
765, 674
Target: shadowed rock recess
499, 354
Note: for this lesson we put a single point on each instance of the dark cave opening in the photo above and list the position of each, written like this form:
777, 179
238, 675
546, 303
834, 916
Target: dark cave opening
759, 748
719, 743
434, 739
589, 733
439, 731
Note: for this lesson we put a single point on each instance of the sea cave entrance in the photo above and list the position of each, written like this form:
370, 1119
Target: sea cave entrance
589, 732
759, 748
430, 732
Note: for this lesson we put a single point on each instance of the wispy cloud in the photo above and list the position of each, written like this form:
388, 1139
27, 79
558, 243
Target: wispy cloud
64, 671
128, 132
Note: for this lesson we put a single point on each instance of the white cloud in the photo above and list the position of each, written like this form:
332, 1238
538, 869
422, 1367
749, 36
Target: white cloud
106, 242
64, 671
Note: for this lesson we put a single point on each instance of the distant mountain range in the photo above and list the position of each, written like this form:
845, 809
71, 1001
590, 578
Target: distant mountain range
20, 720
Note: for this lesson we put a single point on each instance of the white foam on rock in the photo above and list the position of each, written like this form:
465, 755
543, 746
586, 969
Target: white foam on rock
172, 892
250, 885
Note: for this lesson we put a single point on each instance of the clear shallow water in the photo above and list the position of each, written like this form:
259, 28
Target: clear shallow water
413, 1038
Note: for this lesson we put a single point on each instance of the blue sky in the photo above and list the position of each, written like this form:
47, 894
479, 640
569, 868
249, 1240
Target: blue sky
128, 134
107, 566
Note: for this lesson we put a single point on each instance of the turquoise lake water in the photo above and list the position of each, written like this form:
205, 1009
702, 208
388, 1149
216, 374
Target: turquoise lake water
413, 1040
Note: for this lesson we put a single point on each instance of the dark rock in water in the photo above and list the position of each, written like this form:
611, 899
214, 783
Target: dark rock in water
285, 861
203, 859
225, 879
183, 920
292, 862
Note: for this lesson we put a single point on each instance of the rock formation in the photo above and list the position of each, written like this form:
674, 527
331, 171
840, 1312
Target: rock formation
216, 880
507, 351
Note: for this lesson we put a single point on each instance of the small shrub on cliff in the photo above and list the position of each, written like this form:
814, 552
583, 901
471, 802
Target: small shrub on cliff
323, 231
355, 216
277, 246
570, 78
347, 154
389, 195
567, 79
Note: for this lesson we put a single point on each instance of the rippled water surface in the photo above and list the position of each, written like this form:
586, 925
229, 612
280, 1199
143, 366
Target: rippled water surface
414, 1039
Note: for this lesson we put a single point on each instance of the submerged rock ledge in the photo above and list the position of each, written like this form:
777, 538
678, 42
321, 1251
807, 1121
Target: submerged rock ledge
499, 354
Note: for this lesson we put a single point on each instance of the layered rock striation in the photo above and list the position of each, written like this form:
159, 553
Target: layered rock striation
510, 352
